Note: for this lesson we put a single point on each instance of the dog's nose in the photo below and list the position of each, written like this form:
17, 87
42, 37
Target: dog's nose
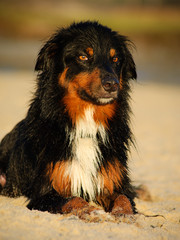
110, 84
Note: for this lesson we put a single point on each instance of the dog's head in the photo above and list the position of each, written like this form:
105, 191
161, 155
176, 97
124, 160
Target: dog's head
90, 62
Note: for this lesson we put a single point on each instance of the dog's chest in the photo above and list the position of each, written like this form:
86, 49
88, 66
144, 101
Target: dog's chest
86, 157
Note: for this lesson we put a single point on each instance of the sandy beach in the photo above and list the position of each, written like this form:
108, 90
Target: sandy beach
155, 163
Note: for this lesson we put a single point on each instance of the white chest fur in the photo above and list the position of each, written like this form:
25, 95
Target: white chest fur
86, 156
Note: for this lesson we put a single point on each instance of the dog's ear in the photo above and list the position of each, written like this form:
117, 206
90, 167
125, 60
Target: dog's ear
129, 67
46, 57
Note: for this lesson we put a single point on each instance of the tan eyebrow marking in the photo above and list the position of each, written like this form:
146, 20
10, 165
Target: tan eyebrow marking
112, 52
89, 51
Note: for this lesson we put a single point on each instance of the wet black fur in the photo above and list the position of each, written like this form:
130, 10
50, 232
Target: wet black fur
41, 138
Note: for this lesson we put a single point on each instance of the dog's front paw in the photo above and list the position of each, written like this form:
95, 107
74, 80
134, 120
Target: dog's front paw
78, 206
122, 206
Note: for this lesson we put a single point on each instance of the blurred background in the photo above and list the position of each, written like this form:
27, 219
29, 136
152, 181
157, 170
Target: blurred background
153, 25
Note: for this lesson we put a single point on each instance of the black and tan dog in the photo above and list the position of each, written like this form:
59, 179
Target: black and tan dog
72, 146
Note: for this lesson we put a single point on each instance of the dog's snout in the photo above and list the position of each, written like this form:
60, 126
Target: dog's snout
110, 84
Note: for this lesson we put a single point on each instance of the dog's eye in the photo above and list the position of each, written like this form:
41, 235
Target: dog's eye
115, 59
83, 58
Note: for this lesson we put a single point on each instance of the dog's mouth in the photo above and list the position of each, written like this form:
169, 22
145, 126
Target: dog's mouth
99, 97
105, 100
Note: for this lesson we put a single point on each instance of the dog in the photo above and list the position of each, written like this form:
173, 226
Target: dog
72, 147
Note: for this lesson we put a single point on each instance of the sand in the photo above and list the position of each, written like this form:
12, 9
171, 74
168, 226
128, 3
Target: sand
155, 163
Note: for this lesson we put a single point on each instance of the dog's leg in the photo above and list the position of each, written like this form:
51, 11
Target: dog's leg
6, 147
54, 203
78, 207
2, 179
122, 205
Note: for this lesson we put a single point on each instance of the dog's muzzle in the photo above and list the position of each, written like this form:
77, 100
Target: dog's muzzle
110, 84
